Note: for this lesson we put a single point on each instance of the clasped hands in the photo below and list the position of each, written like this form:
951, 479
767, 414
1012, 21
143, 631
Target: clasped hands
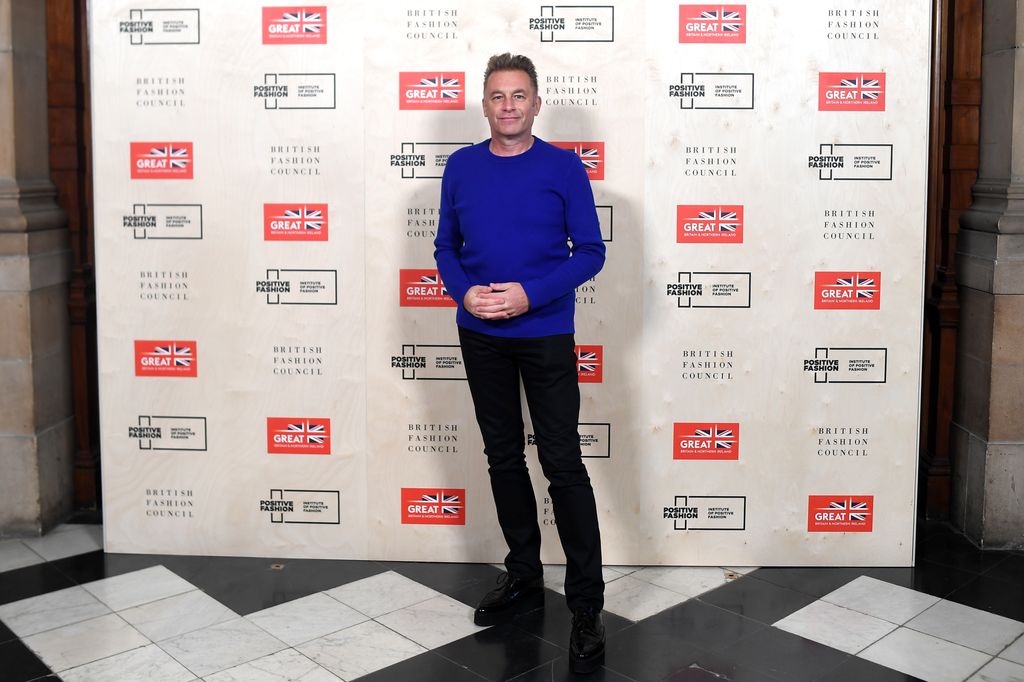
497, 301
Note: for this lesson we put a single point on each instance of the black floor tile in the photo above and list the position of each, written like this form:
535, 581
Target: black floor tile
992, 595
554, 621
427, 667
19, 663
927, 576
862, 670
757, 599
447, 578
31, 581
697, 623
97, 565
643, 657
247, 585
5, 633
814, 581
558, 671
784, 656
952, 549
500, 653
719, 669
1010, 569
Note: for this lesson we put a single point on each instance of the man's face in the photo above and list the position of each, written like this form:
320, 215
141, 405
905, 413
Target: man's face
510, 104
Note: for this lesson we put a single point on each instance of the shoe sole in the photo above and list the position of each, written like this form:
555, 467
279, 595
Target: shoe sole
583, 666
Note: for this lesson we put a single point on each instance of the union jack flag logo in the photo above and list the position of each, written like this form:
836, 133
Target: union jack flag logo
590, 156
433, 280
869, 88
178, 156
732, 20
862, 287
858, 511
450, 504
587, 361
725, 221
430, 279
313, 433
721, 438
311, 22
450, 87
181, 356
312, 219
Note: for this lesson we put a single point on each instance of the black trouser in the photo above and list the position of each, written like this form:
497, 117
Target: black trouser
547, 366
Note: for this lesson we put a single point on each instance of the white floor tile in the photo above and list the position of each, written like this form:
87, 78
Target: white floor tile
284, 666
307, 618
970, 627
1014, 652
688, 581
221, 646
924, 656
554, 576
881, 599
51, 610
360, 650
90, 640
16, 554
635, 599
834, 626
434, 622
174, 616
998, 670
145, 664
67, 540
382, 593
138, 587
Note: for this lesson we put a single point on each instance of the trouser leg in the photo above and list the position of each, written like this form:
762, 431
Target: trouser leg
548, 368
493, 374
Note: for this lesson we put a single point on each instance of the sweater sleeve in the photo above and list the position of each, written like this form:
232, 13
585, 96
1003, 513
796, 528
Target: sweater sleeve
583, 231
448, 242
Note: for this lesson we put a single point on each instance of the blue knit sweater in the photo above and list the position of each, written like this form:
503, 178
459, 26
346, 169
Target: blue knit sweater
508, 219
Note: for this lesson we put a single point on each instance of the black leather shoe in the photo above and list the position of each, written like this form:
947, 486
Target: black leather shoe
586, 641
511, 591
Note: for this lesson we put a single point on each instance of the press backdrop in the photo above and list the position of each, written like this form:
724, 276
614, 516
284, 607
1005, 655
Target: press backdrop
279, 367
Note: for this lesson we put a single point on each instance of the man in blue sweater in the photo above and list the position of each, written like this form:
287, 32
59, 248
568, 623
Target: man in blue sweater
518, 232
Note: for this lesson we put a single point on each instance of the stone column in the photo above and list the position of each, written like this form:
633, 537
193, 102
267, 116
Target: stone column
988, 416
36, 423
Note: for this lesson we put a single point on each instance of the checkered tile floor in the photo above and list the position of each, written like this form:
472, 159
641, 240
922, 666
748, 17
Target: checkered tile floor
68, 611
